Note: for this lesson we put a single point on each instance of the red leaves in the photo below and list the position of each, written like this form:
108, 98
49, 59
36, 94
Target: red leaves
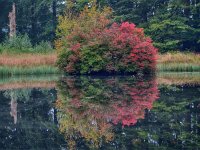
76, 47
132, 44
125, 109
127, 48
127, 27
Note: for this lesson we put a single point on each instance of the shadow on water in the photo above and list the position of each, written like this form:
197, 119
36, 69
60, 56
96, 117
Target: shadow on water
100, 112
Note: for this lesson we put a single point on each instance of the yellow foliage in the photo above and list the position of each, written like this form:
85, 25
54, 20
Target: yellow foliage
88, 20
90, 127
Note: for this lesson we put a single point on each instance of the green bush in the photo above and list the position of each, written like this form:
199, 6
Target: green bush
43, 47
1, 48
22, 44
92, 59
19, 43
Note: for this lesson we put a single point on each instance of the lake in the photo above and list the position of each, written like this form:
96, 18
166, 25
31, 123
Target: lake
97, 112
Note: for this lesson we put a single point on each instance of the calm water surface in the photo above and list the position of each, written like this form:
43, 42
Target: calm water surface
100, 112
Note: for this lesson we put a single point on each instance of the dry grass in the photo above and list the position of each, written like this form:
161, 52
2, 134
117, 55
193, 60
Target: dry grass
179, 62
172, 58
28, 60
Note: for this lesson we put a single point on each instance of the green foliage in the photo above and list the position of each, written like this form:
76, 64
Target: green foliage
168, 33
92, 59
33, 17
43, 47
22, 44
172, 24
93, 46
1, 48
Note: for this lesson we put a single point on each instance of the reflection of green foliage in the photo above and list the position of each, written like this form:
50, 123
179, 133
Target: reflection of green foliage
97, 90
89, 106
172, 123
25, 94
21, 94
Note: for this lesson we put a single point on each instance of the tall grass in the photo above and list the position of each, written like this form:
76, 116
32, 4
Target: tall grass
28, 60
36, 70
179, 62
176, 67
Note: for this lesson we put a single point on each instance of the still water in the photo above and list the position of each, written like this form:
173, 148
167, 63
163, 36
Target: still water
84, 113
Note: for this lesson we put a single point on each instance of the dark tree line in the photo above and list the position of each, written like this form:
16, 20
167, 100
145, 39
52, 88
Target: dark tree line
37, 18
172, 24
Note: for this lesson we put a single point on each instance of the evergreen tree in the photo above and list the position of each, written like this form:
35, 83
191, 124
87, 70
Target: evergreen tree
172, 27
5, 7
34, 17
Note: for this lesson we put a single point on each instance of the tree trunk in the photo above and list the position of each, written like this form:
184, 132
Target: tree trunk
12, 22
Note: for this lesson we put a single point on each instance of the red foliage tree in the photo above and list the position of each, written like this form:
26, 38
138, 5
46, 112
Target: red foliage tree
125, 50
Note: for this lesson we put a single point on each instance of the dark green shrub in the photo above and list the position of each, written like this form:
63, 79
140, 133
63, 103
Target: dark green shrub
17, 44
43, 47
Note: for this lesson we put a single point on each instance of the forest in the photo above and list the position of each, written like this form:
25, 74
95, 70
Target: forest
100, 74
173, 26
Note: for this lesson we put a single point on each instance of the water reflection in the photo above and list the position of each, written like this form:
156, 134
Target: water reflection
101, 113
27, 119
90, 107
13, 112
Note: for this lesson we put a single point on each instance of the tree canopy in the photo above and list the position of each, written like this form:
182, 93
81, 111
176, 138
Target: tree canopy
172, 24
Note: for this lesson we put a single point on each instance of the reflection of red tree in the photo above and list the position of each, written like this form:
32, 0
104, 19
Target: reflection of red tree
85, 116
125, 109
142, 97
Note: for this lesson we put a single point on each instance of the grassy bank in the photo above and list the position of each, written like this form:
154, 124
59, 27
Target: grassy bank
28, 64
36, 64
179, 62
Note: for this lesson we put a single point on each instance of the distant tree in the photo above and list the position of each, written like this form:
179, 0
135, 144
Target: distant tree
5, 7
36, 18
172, 27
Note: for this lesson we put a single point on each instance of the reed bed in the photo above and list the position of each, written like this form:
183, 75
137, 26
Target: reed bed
27, 60
28, 64
179, 62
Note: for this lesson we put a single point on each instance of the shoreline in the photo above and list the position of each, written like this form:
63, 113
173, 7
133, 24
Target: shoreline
42, 64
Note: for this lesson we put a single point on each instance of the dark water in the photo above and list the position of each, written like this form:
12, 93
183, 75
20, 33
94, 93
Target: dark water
101, 113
